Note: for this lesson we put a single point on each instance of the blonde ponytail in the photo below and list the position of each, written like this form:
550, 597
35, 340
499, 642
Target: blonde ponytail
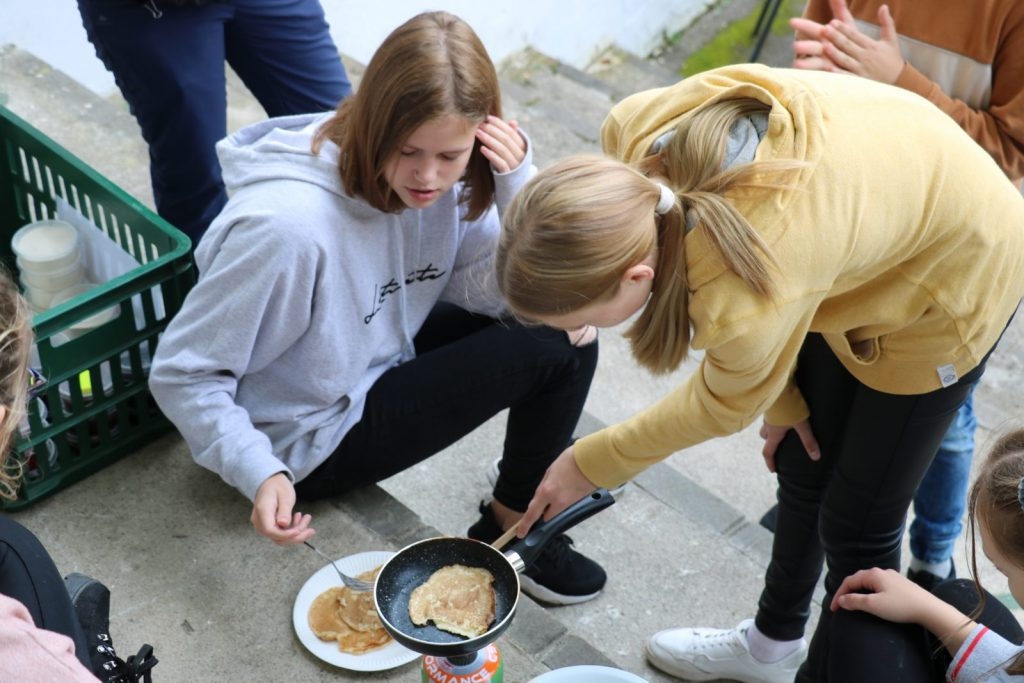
574, 229
692, 161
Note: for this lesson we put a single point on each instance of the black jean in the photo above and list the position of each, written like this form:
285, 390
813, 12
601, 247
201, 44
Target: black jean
871, 645
28, 574
847, 510
468, 368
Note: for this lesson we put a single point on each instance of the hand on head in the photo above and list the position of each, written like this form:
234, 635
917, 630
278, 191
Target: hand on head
563, 485
501, 143
273, 515
840, 46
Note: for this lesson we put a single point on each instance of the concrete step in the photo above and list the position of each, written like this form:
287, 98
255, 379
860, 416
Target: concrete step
189, 575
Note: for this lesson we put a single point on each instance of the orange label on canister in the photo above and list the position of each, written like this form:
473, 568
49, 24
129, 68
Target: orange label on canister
485, 668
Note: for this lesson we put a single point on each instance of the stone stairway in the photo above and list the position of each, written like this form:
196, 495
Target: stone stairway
189, 575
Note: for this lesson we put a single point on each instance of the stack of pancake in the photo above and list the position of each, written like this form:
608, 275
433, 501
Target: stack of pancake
349, 618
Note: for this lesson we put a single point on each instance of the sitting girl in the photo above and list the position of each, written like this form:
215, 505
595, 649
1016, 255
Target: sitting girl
894, 609
51, 629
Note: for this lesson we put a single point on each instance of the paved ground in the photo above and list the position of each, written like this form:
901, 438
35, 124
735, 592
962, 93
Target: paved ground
191, 577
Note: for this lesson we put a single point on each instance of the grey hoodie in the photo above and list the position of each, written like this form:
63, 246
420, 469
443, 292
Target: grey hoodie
306, 296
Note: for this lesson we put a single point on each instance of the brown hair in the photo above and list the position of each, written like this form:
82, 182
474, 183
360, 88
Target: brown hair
995, 501
430, 67
574, 229
15, 342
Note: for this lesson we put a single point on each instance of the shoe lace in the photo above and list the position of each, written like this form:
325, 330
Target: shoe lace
136, 668
557, 552
717, 639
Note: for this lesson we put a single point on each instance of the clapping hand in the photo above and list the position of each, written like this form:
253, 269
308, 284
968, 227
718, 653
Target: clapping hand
839, 46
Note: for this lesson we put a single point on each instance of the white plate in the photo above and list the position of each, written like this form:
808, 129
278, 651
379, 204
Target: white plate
588, 673
387, 657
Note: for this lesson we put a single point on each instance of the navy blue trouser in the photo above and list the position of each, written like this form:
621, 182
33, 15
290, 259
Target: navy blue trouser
848, 509
169, 63
28, 574
468, 368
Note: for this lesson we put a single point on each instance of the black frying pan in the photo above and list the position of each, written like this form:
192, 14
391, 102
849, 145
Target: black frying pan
414, 564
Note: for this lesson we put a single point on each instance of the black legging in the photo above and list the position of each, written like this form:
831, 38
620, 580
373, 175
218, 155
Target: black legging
468, 368
849, 508
28, 574
874, 649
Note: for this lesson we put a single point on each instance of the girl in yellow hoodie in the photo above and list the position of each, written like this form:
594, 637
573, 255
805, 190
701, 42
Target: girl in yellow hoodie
845, 256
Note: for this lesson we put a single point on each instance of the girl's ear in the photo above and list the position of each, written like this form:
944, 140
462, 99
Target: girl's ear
638, 274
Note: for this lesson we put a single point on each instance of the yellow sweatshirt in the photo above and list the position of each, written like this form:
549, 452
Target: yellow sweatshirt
902, 240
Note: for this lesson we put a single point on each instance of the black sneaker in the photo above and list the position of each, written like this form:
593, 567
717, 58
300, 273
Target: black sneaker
91, 600
559, 576
925, 579
770, 519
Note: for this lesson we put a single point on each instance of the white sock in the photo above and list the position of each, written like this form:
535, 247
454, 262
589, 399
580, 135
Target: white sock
767, 650
939, 569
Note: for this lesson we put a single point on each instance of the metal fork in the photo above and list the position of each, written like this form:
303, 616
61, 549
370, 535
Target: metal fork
350, 581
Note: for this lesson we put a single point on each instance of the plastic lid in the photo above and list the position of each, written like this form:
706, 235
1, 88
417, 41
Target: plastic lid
45, 241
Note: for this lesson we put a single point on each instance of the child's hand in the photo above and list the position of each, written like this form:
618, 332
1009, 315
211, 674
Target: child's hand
809, 45
885, 593
501, 143
563, 484
272, 512
854, 52
894, 597
839, 46
773, 435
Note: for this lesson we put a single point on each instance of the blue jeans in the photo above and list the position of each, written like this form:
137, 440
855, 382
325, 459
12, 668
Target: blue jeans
168, 62
941, 497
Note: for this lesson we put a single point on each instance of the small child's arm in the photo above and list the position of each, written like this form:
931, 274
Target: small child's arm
889, 595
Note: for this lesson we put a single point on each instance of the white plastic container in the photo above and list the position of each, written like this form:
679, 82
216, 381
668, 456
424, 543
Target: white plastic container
53, 280
39, 299
93, 321
46, 245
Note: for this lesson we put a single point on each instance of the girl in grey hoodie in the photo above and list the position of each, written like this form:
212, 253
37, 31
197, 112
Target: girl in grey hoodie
346, 324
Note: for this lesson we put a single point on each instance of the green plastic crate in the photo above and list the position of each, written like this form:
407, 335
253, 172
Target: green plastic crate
80, 436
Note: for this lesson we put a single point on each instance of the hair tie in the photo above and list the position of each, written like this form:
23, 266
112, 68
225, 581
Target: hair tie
666, 201
1020, 492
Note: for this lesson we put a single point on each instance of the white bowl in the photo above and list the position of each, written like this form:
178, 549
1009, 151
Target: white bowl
46, 245
588, 673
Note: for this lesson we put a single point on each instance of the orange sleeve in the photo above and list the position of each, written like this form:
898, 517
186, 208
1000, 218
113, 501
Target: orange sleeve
1000, 128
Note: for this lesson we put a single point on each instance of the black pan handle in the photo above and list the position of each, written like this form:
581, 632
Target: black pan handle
529, 547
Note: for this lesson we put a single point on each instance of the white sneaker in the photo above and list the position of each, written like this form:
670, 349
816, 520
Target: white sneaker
495, 468
708, 654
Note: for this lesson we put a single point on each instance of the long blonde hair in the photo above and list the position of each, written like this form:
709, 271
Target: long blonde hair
433, 65
15, 343
573, 230
995, 500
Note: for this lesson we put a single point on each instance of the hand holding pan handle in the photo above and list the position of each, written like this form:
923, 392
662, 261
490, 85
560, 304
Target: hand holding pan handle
524, 551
